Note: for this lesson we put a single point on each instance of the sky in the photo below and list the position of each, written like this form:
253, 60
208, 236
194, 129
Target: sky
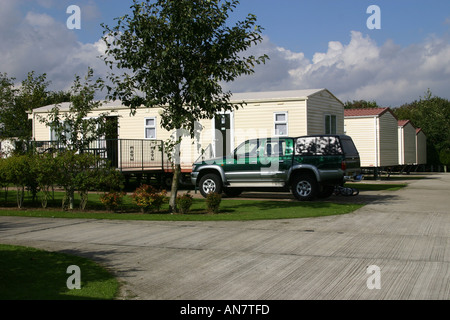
311, 44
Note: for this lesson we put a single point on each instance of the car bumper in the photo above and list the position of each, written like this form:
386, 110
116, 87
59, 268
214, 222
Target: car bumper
354, 178
194, 176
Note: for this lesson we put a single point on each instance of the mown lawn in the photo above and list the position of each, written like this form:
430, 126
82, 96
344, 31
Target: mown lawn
230, 209
31, 274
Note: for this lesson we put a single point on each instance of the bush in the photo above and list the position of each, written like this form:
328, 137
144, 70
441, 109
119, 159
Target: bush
45, 166
112, 200
149, 199
184, 203
19, 171
213, 202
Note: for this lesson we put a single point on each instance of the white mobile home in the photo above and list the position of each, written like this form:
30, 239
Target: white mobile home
375, 134
266, 114
406, 143
421, 147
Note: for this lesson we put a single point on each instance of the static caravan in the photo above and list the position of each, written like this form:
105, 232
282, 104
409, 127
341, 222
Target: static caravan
421, 147
375, 134
406, 143
265, 114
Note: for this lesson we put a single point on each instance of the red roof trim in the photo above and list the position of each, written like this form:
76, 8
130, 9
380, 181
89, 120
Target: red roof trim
402, 123
367, 112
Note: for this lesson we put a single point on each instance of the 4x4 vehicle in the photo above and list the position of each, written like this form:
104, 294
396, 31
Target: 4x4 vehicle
310, 166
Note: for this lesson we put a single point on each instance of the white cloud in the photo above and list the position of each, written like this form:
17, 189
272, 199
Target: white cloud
37, 42
361, 69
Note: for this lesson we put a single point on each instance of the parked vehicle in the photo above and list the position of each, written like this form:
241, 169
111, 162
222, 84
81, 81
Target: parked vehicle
310, 166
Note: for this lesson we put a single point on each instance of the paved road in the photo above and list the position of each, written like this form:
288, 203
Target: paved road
405, 233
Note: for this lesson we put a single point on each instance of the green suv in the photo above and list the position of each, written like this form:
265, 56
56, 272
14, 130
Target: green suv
310, 166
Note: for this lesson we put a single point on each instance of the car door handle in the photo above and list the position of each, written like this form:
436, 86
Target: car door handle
281, 161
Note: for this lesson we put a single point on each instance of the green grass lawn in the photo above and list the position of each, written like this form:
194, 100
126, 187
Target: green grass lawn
31, 274
230, 209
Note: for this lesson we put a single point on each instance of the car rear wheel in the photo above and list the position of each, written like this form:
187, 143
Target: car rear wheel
210, 183
326, 192
304, 187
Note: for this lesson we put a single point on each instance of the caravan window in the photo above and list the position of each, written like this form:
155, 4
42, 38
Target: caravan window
150, 128
330, 124
281, 123
60, 130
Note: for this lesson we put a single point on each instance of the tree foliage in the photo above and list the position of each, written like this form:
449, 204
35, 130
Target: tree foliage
361, 104
40, 173
16, 102
76, 128
176, 54
432, 115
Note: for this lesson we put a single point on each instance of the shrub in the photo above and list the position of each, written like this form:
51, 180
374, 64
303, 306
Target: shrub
45, 166
149, 199
73, 174
213, 202
112, 200
19, 170
184, 203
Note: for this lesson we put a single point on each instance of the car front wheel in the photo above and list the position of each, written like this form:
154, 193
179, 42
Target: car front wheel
304, 187
210, 183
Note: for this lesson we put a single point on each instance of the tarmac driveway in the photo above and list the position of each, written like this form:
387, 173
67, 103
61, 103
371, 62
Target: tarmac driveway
404, 234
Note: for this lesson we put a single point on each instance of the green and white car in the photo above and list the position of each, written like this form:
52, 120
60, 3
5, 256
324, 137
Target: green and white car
310, 166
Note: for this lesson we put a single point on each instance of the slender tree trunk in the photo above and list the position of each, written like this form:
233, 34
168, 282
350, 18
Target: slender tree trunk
71, 200
176, 173
174, 190
20, 196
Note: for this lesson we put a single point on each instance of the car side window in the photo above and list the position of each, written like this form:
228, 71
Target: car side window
247, 149
275, 148
320, 146
328, 146
306, 146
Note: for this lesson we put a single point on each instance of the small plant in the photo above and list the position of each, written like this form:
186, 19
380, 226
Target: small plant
184, 203
149, 199
213, 202
112, 200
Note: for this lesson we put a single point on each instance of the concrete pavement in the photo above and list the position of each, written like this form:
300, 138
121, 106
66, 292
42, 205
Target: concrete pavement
405, 233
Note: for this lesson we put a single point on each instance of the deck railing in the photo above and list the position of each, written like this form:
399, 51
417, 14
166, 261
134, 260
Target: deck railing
123, 154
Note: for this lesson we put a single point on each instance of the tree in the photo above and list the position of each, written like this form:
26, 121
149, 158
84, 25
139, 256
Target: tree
432, 114
7, 94
75, 128
15, 103
361, 104
175, 54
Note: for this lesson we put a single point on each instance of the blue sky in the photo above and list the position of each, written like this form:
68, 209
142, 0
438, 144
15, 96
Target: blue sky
320, 43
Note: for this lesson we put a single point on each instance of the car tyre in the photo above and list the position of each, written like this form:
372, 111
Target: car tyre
304, 187
210, 183
326, 192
